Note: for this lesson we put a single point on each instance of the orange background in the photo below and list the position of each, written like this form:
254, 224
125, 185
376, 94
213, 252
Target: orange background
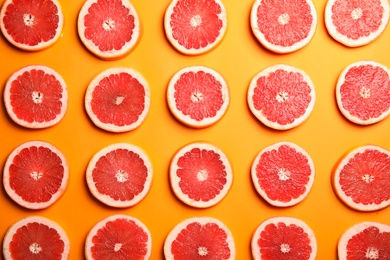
326, 135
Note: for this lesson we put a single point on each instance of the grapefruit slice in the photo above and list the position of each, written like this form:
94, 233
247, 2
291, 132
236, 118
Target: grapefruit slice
195, 27
31, 25
365, 240
118, 99
283, 26
118, 237
36, 96
119, 175
283, 238
283, 174
198, 96
35, 175
363, 92
200, 238
281, 96
361, 179
200, 175
109, 29
36, 238
356, 23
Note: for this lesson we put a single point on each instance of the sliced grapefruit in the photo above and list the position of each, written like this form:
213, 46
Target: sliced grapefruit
363, 92
31, 25
283, 174
118, 99
200, 238
365, 240
283, 26
36, 96
109, 29
362, 178
198, 96
356, 23
118, 237
200, 175
284, 238
36, 238
119, 175
35, 175
195, 27
281, 96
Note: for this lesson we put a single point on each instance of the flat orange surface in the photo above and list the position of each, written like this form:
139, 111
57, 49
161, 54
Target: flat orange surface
326, 135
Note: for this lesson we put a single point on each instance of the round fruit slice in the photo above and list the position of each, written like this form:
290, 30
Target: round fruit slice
31, 25
200, 175
200, 238
366, 240
109, 29
35, 175
284, 238
195, 27
118, 99
198, 96
283, 174
363, 92
118, 237
119, 175
283, 26
36, 96
356, 23
362, 178
36, 238
281, 96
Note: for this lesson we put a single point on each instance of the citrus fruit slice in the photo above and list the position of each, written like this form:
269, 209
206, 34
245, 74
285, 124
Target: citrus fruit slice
362, 178
363, 92
365, 240
195, 27
118, 99
31, 25
283, 26
281, 96
198, 96
36, 96
200, 238
35, 174
118, 237
283, 174
109, 29
200, 175
119, 175
356, 23
36, 238
283, 238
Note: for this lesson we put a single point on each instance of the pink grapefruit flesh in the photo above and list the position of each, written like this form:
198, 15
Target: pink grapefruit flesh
356, 23
109, 29
31, 25
118, 237
283, 26
281, 96
199, 238
363, 92
361, 179
283, 238
195, 27
118, 99
283, 174
36, 96
35, 175
36, 238
200, 175
198, 96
